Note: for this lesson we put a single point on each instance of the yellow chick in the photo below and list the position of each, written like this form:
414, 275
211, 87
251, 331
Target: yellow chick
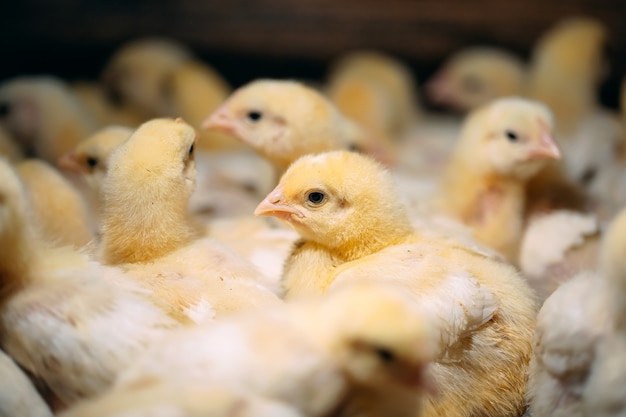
43, 116
184, 400
361, 344
353, 224
475, 76
136, 72
18, 396
574, 327
59, 318
59, 210
147, 231
501, 145
283, 120
375, 90
94, 98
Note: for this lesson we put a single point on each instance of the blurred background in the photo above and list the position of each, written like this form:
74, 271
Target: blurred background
246, 39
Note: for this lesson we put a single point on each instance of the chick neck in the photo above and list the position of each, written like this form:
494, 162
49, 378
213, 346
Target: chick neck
143, 225
17, 254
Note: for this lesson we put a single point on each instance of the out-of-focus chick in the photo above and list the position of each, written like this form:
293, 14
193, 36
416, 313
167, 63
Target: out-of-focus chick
475, 76
353, 224
59, 210
161, 397
136, 73
43, 116
283, 120
91, 156
376, 90
59, 318
318, 356
502, 144
18, 396
147, 229
566, 69
9, 149
573, 323
192, 90
94, 98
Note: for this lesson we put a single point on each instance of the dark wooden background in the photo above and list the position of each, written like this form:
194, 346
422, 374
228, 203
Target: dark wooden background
245, 39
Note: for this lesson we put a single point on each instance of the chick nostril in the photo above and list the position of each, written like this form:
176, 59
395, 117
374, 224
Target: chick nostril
5, 109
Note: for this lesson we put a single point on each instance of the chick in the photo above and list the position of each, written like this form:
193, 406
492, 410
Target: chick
184, 400
43, 116
18, 397
375, 90
105, 111
353, 223
283, 120
136, 73
147, 229
90, 157
502, 144
8, 147
475, 76
572, 325
319, 357
59, 318
60, 212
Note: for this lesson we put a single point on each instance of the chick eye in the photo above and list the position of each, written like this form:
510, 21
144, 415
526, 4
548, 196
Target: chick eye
91, 161
254, 115
511, 136
385, 355
4, 109
191, 149
316, 197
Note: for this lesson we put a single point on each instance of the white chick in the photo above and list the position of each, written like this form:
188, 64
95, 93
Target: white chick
316, 356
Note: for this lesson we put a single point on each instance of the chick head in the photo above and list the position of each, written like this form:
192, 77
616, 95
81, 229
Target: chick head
158, 155
91, 156
136, 73
475, 76
378, 334
338, 198
510, 136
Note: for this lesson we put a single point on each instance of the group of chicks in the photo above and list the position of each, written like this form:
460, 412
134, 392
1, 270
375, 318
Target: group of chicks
170, 247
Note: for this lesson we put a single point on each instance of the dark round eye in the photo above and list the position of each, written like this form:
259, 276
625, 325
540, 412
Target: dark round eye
512, 136
353, 147
191, 149
316, 197
471, 84
385, 354
254, 115
4, 109
91, 161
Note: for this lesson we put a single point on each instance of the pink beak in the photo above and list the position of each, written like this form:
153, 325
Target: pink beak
221, 120
438, 89
274, 205
546, 148
70, 163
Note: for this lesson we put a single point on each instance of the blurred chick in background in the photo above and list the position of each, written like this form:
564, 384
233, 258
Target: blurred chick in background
572, 325
475, 76
147, 229
354, 227
283, 120
502, 144
376, 90
43, 116
9, 148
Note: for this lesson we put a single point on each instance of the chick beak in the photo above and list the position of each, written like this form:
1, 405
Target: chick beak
438, 90
69, 162
220, 120
274, 205
546, 148
420, 378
